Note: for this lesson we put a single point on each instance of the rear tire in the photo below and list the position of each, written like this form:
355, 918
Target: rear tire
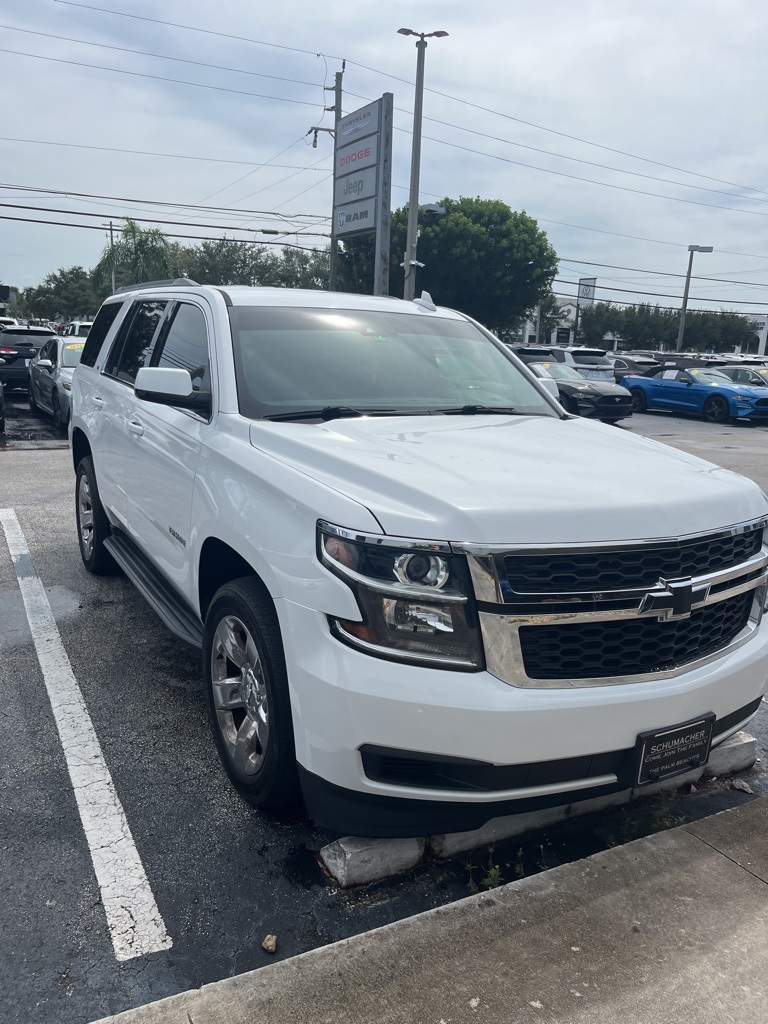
59, 425
639, 401
92, 524
246, 685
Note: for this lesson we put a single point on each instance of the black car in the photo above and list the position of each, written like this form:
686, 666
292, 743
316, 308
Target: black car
18, 346
626, 364
598, 399
2, 404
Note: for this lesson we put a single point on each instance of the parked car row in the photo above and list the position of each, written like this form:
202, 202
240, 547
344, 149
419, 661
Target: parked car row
717, 394
40, 362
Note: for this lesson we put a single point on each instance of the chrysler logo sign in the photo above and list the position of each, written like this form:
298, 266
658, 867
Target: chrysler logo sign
675, 599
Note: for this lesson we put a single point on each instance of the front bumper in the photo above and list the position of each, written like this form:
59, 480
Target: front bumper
344, 700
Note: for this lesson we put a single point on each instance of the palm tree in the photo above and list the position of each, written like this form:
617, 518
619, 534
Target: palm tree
140, 254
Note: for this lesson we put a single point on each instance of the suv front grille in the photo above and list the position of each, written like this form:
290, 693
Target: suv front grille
558, 572
631, 647
603, 615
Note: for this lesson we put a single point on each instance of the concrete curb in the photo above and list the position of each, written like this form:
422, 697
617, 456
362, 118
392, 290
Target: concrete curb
353, 861
667, 928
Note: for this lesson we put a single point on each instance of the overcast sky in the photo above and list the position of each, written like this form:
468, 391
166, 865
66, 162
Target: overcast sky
628, 130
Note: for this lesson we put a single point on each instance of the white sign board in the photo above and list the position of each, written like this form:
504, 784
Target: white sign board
359, 185
364, 121
364, 153
587, 290
356, 217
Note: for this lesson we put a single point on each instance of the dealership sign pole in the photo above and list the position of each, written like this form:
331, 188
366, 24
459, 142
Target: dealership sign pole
362, 180
585, 296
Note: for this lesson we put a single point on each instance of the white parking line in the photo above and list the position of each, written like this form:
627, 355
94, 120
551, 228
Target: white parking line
135, 924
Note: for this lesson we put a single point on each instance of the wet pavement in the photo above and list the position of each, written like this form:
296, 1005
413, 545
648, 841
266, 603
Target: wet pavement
223, 875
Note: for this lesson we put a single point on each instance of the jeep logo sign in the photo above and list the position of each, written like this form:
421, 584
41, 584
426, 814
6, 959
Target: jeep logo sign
358, 185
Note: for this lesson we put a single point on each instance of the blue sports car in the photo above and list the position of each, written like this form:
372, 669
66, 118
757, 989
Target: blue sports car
701, 391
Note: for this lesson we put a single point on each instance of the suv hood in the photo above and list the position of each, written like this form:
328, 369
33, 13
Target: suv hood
513, 480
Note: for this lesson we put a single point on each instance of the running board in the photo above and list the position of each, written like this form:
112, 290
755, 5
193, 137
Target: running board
155, 589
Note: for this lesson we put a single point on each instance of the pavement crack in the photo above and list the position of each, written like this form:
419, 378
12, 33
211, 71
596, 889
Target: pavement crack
728, 857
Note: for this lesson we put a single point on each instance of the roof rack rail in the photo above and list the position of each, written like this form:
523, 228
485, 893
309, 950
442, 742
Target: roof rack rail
179, 282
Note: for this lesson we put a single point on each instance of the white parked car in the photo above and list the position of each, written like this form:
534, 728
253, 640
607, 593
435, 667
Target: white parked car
426, 595
50, 378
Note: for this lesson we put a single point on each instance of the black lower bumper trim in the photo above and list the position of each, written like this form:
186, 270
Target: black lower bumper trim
352, 813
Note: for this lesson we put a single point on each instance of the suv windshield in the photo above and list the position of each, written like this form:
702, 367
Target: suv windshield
321, 361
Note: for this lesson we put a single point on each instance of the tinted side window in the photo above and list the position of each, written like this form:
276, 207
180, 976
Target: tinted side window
101, 325
185, 346
135, 351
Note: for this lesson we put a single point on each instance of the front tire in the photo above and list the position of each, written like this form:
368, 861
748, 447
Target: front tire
716, 409
33, 406
246, 685
639, 402
92, 524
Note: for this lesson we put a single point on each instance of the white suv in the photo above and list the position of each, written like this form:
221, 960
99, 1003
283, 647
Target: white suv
425, 595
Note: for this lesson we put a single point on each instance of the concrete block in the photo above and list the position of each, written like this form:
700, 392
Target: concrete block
733, 755
355, 861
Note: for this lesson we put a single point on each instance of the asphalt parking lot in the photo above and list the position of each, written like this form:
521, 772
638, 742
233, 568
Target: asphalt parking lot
220, 875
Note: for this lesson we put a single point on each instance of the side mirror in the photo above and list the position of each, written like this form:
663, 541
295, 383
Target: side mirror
166, 386
45, 364
550, 385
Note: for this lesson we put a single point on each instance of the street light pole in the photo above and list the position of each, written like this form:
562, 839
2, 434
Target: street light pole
412, 234
681, 330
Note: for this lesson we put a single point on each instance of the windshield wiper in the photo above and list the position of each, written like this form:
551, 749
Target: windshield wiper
479, 410
329, 412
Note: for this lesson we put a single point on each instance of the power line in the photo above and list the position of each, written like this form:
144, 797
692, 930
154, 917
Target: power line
157, 202
664, 295
156, 220
436, 92
446, 124
160, 78
143, 152
203, 238
664, 273
160, 56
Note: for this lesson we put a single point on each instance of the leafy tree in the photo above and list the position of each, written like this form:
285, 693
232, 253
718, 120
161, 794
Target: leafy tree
480, 257
67, 293
140, 254
653, 327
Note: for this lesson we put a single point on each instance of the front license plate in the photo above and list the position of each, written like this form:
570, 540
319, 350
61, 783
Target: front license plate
664, 753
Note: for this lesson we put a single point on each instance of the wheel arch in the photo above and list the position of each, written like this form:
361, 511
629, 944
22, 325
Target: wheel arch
81, 448
220, 564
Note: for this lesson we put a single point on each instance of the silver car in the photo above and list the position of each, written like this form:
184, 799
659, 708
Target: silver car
50, 378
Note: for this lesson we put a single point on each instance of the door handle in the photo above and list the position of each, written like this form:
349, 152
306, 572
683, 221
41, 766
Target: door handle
98, 402
135, 427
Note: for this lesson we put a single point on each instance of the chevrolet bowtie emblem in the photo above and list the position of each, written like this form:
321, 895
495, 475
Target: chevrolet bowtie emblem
675, 599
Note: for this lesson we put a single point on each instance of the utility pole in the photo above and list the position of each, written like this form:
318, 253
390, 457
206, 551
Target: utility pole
538, 324
412, 237
333, 272
112, 255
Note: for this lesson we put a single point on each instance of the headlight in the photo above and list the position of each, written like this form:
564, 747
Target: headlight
415, 598
742, 401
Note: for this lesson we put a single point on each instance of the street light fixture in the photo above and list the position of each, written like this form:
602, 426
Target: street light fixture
691, 250
409, 259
